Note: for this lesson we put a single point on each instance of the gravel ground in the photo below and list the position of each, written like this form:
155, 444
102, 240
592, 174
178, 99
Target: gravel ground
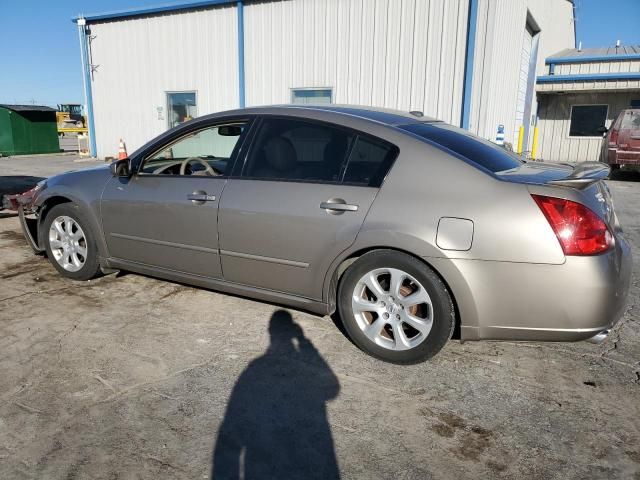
131, 377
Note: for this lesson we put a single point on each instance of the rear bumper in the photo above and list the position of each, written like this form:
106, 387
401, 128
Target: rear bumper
623, 157
538, 302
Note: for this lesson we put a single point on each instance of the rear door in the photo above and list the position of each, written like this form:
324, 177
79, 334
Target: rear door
165, 215
299, 200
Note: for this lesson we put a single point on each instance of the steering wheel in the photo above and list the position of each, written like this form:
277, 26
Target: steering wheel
207, 167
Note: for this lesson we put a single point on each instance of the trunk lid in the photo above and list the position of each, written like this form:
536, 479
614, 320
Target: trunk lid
586, 179
579, 176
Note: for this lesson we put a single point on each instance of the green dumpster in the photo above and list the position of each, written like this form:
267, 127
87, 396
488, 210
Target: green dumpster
26, 129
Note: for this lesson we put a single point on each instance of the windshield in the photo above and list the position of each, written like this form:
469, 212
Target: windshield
475, 149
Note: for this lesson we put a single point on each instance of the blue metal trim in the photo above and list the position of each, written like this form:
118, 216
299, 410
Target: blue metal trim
86, 70
241, 81
596, 58
472, 23
167, 7
589, 77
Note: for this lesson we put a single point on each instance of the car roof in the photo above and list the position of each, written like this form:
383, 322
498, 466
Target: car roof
379, 115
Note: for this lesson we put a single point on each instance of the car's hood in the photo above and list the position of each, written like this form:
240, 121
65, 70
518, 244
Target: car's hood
79, 175
86, 184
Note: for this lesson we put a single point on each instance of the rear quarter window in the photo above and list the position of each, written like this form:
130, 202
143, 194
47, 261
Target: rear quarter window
369, 162
473, 148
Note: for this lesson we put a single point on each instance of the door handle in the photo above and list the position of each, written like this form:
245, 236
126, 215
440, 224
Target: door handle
337, 206
199, 197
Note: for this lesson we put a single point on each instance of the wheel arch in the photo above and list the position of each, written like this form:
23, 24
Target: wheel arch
45, 206
350, 258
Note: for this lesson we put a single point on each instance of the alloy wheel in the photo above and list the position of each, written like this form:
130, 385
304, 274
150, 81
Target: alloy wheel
392, 308
68, 243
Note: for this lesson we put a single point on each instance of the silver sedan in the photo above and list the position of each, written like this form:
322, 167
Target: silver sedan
410, 228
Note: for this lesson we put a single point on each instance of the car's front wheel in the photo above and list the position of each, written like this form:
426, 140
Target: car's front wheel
395, 307
69, 242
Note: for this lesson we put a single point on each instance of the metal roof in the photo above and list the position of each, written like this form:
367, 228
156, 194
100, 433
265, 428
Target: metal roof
604, 54
161, 8
27, 108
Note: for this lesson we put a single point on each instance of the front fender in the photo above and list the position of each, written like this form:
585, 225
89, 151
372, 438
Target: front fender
89, 206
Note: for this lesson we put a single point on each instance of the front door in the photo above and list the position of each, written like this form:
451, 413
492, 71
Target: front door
299, 202
165, 215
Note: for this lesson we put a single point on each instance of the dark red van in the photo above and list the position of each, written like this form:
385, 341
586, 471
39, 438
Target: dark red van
622, 142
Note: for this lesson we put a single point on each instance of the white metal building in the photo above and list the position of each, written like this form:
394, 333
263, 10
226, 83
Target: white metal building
468, 62
582, 91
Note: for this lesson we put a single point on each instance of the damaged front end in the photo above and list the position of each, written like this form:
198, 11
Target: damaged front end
24, 204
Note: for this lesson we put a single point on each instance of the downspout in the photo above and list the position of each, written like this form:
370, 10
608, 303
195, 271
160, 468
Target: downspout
86, 82
472, 23
241, 81
575, 28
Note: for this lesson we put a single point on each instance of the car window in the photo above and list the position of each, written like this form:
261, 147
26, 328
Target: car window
294, 149
204, 152
631, 120
475, 149
369, 162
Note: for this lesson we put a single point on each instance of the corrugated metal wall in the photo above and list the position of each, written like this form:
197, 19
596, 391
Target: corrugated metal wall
405, 54
138, 60
555, 114
625, 66
501, 26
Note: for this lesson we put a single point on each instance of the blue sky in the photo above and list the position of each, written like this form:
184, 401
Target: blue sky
40, 57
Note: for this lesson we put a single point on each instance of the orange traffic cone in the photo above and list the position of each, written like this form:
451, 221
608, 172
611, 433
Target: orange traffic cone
122, 151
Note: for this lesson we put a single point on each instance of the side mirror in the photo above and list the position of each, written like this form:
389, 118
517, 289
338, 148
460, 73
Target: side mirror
121, 168
602, 130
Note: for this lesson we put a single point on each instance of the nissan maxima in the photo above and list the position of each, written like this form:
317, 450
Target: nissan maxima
408, 227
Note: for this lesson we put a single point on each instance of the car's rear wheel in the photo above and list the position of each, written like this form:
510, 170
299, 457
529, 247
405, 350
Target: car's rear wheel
70, 243
395, 307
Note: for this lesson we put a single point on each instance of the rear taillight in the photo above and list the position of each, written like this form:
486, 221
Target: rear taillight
613, 137
579, 230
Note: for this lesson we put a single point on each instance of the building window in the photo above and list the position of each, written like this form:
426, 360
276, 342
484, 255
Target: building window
181, 107
311, 95
587, 119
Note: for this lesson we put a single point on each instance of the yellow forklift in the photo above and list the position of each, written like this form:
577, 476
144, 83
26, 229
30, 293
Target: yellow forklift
70, 119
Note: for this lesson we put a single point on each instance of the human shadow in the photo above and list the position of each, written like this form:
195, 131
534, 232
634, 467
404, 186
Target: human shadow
276, 426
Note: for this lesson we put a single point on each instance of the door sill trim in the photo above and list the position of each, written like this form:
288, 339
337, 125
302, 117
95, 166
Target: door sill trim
260, 258
165, 243
219, 284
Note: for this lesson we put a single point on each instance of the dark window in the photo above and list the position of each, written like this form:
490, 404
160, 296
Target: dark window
299, 150
369, 161
587, 119
475, 149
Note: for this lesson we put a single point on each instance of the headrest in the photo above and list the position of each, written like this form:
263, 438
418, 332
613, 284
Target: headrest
280, 154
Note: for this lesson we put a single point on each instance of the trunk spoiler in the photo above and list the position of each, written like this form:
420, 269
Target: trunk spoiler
583, 175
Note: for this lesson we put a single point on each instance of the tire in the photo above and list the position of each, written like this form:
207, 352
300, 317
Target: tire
436, 310
73, 255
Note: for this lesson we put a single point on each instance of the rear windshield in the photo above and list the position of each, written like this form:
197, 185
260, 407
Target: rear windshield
631, 120
475, 149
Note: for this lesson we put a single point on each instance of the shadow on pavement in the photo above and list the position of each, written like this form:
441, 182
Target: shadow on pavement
625, 175
276, 422
17, 183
